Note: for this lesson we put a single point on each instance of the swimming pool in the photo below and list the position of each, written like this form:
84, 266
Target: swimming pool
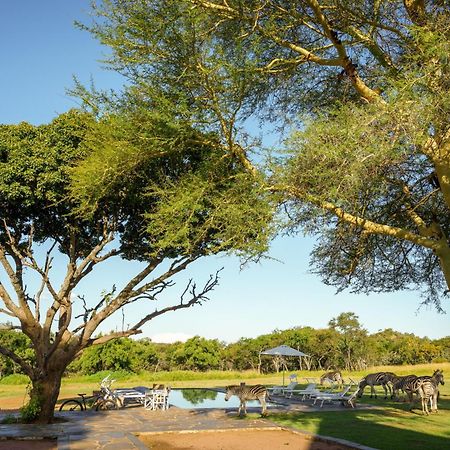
204, 398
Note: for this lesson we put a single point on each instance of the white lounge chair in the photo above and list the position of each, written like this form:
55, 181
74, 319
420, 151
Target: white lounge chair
281, 390
311, 380
352, 381
130, 395
293, 377
348, 399
305, 393
329, 397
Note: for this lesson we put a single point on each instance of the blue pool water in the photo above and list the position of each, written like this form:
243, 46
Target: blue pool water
204, 398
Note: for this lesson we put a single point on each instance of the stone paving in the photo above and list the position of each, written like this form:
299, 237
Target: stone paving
117, 430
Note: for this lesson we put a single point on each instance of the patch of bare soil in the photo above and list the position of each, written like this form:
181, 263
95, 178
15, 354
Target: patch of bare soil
236, 440
11, 402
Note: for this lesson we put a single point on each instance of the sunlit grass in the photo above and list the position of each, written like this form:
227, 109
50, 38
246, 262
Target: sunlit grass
386, 428
391, 425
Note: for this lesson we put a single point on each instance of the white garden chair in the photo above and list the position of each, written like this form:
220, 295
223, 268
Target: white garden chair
157, 399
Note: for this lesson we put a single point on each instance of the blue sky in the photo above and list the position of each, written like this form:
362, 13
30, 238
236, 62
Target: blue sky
41, 51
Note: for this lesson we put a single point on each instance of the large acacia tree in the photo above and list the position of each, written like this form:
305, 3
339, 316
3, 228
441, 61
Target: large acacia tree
75, 193
365, 83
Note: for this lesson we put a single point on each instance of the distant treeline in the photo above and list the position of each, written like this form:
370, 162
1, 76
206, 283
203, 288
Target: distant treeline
344, 345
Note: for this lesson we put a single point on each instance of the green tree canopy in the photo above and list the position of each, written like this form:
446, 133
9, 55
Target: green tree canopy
85, 189
199, 353
363, 84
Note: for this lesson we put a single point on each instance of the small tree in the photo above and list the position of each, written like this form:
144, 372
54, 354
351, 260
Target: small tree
199, 353
82, 190
351, 341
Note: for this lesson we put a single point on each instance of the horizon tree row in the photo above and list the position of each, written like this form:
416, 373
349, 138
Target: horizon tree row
328, 348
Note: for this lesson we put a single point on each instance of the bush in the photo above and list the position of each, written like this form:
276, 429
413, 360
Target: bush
30, 411
16, 378
9, 419
118, 375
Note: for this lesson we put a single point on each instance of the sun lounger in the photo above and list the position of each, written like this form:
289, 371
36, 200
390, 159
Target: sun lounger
310, 380
305, 393
329, 397
348, 400
281, 390
130, 395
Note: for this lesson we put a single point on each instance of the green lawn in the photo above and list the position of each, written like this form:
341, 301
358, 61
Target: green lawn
386, 428
391, 426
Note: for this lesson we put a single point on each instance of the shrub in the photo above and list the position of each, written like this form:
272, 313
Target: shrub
16, 378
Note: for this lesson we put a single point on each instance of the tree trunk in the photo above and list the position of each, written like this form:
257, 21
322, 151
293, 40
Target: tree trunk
44, 395
444, 260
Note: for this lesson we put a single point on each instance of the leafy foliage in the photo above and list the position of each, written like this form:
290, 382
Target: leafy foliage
364, 87
95, 187
21, 344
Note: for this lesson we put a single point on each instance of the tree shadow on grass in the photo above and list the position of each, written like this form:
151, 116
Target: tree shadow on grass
387, 428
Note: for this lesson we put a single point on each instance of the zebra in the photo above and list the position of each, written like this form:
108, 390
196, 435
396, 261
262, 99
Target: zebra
414, 387
429, 392
376, 379
398, 384
245, 393
334, 377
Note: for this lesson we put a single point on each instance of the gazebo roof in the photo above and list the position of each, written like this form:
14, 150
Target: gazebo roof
283, 350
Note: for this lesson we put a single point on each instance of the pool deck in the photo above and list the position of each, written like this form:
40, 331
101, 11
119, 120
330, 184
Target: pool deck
118, 430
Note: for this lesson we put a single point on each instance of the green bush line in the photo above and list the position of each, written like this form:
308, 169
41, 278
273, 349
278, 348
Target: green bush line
186, 375
176, 375
16, 378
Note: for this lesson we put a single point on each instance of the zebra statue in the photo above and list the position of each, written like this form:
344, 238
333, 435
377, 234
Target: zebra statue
333, 377
376, 379
245, 393
430, 392
398, 384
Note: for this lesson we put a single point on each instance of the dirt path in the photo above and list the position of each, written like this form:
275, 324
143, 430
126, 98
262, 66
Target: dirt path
236, 440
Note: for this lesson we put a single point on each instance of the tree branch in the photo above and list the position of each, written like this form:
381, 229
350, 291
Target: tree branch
22, 310
350, 69
14, 310
109, 337
124, 295
416, 11
196, 298
365, 224
17, 359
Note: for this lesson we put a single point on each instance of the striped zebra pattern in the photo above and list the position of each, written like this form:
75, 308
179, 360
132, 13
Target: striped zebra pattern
376, 379
398, 384
245, 393
429, 392
334, 377
414, 386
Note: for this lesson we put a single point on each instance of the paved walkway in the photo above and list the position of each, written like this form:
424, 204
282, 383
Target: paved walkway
116, 430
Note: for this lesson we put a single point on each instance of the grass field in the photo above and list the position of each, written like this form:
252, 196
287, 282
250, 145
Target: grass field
386, 428
389, 426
